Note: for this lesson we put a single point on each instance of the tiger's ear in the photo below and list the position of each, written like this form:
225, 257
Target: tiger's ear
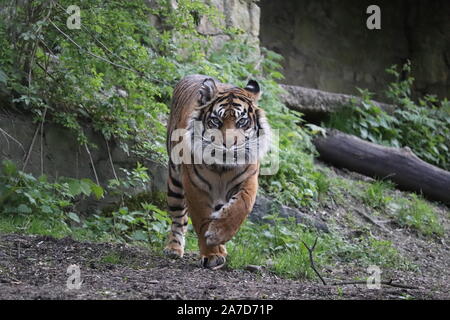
207, 91
253, 87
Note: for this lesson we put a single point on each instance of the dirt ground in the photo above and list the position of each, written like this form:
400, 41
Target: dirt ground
35, 267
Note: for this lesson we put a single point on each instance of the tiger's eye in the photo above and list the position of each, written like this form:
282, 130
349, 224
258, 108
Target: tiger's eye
214, 122
242, 122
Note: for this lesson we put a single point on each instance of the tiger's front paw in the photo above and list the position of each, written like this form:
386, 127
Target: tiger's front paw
213, 262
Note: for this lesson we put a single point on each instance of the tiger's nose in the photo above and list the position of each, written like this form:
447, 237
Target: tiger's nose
235, 142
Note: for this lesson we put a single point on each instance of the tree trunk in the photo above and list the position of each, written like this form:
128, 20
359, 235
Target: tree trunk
401, 166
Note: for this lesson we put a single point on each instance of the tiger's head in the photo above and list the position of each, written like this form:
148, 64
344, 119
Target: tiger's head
232, 129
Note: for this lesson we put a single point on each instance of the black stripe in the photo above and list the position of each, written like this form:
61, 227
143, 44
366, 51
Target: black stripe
201, 178
195, 185
179, 224
176, 241
245, 99
179, 217
177, 233
257, 118
237, 176
176, 183
220, 99
173, 194
175, 208
172, 165
233, 191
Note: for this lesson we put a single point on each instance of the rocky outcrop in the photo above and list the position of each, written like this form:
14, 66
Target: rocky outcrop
241, 14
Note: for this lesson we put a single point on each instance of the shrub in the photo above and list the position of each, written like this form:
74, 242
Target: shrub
424, 126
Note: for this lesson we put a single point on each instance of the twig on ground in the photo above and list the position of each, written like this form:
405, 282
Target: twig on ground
387, 283
311, 259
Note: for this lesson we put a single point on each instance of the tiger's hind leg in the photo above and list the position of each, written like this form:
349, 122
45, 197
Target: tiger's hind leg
178, 213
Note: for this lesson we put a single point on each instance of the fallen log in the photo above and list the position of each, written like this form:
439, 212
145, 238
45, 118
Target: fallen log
318, 103
401, 166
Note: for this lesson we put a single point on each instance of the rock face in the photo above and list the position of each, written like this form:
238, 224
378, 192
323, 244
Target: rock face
242, 14
327, 45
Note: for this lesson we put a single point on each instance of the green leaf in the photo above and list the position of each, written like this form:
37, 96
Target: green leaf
139, 235
23, 208
3, 77
74, 187
85, 186
98, 191
74, 217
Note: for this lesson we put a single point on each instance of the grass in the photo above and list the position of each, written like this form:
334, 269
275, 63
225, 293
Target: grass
279, 247
112, 258
323, 184
376, 194
44, 225
419, 215
33, 224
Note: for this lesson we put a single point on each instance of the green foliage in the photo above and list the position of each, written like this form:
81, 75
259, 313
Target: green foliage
376, 196
136, 179
149, 224
424, 127
137, 217
366, 120
23, 196
417, 214
370, 251
116, 72
35, 205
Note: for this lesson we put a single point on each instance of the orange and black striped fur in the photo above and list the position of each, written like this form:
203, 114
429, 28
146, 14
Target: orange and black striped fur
218, 197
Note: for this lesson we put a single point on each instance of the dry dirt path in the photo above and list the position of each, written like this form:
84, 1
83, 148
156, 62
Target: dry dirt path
34, 267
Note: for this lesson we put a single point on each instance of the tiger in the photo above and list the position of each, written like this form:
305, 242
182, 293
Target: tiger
217, 195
